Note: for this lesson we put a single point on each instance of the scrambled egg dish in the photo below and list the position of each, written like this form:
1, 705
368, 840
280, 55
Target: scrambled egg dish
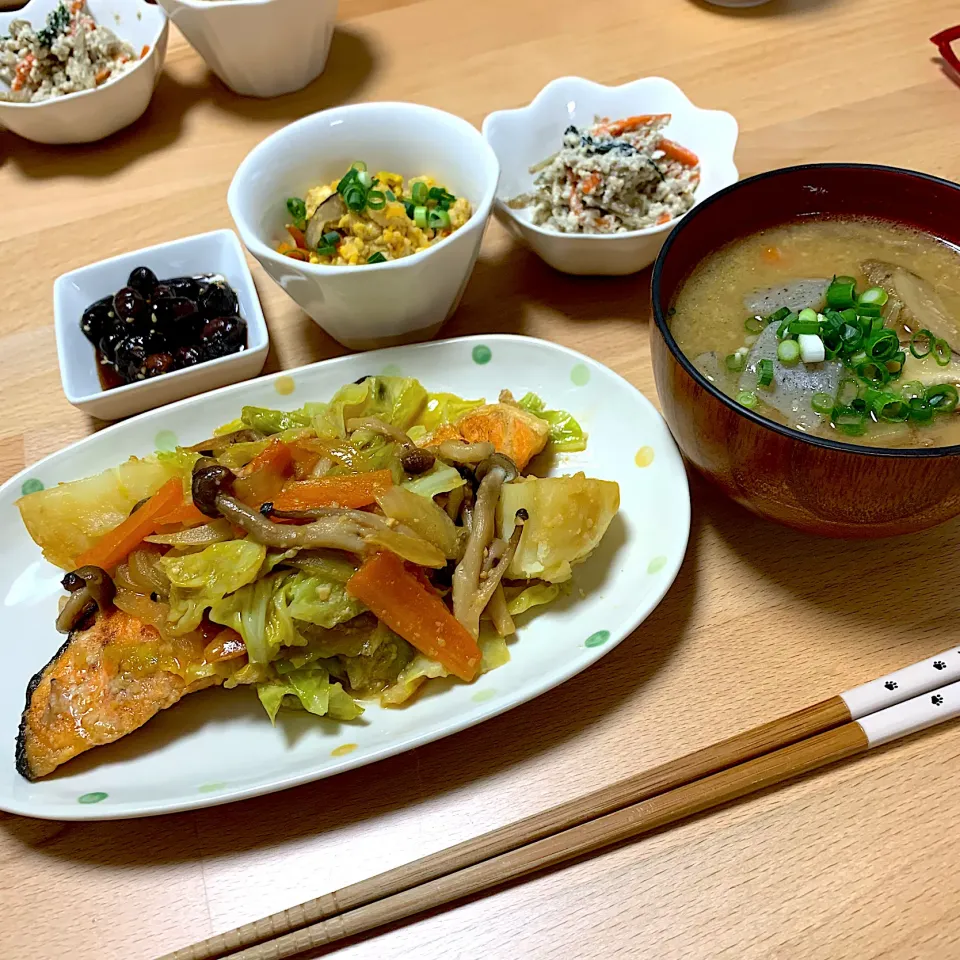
365, 218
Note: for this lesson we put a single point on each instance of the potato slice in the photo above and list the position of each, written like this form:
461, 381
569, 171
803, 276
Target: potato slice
568, 518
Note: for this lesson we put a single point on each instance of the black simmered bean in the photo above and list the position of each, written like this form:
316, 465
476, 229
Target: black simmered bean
151, 327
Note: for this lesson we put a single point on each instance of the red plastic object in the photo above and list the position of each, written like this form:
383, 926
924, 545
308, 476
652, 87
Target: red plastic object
943, 41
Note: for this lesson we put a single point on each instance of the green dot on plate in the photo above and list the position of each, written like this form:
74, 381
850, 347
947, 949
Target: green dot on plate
391, 370
656, 564
33, 485
92, 797
580, 375
597, 639
211, 787
482, 696
165, 440
481, 354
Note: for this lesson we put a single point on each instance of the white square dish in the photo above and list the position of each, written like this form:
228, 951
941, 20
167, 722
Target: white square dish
218, 252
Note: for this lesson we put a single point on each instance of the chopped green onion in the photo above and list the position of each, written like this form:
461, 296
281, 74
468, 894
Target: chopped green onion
788, 352
779, 315
891, 409
419, 193
326, 251
869, 310
420, 216
920, 409
377, 257
874, 296
911, 389
438, 220
747, 397
358, 165
376, 200
850, 336
390, 195
874, 371
822, 403
443, 204
849, 421
848, 316
841, 293
943, 397
847, 391
298, 210
735, 362
808, 316
921, 343
436, 193
754, 324
365, 180
355, 198
410, 208
942, 352
331, 239
882, 345
784, 329
348, 180
895, 363
805, 326
765, 372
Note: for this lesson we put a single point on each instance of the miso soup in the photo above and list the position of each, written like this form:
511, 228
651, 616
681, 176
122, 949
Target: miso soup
847, 329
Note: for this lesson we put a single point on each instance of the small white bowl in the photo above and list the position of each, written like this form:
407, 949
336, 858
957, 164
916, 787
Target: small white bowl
218, 252
384, 304
258, 48
525, 136
94, 114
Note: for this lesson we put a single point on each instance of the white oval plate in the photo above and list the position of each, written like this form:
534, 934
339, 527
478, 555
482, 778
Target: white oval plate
217, 745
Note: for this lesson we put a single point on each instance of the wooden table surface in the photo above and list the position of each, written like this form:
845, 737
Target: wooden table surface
855, 862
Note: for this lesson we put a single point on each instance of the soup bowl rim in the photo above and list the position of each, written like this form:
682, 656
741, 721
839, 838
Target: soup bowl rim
688, 222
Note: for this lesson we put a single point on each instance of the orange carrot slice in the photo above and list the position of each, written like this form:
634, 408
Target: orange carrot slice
590, 183
617, 127
401, 601
676, 152
114, 546
186, 514
356, 490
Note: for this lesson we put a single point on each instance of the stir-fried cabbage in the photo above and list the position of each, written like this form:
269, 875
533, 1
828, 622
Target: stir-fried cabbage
440, 408
306, 688
271, 612
395, 400
566, 435
537, 594
441, 478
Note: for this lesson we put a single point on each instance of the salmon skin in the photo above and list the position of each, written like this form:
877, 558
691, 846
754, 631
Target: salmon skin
110, 677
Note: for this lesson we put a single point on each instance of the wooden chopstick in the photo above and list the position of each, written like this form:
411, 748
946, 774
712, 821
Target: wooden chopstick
762, 756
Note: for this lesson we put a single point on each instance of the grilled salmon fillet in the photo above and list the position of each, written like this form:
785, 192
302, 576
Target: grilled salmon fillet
108, 679
512, 431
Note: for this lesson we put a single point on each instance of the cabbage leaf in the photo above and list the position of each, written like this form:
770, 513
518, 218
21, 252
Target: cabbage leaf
439, 409
440, 478
306, 688
566, 435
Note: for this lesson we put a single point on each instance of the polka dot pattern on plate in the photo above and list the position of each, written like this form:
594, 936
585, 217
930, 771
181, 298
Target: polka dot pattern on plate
656, 564
165, 440
92, 797
644, 457
481, 354
580, 375
482, 696
343, 749
284, 386
597, 639
33, 485
211, 787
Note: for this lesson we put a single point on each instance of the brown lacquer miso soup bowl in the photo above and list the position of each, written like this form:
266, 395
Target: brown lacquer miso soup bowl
818, 481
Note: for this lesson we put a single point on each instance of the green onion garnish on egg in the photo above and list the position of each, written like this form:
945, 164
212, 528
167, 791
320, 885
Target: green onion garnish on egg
377, 257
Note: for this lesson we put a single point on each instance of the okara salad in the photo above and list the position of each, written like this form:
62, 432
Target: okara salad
69, 54
615, 176
363, 218
344, 551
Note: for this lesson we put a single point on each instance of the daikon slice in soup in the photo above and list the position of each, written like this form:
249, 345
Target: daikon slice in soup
846, 329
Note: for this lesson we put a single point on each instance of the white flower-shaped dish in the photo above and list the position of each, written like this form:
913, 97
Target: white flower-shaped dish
258, 48
217, 252
94, 114
526, 136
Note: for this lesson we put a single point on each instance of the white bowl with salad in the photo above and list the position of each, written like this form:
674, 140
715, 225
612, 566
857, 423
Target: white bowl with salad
79, 72
370, 216
595, 177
